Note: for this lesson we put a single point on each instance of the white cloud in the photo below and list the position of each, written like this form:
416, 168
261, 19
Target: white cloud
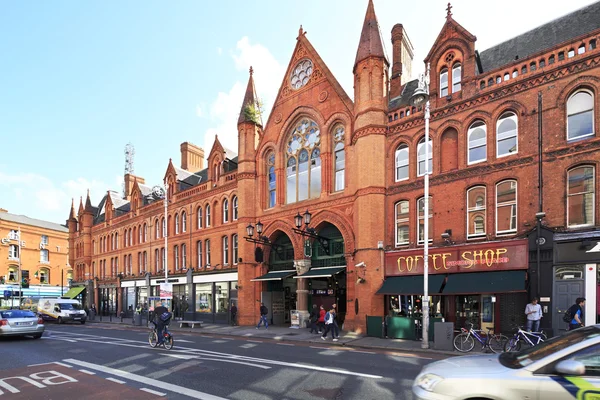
200, 110
38, 197
224, 110
219, 51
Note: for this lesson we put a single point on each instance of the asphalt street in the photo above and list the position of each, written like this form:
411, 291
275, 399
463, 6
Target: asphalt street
89, 362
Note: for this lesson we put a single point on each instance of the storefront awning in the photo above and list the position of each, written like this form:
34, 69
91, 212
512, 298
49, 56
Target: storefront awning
74, 292
486, 282
325, 272
411, 284
274, 276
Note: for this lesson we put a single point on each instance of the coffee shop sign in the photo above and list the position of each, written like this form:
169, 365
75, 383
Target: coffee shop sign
470, 258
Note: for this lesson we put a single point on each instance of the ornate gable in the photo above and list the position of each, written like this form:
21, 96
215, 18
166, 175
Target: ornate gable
452, 32
171, 178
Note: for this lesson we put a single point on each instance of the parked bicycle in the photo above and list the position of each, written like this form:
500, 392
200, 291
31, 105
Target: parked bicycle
523, 336
465, 341
153, 337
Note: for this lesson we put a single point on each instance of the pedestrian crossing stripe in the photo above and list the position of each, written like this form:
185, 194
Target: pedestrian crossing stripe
579, 388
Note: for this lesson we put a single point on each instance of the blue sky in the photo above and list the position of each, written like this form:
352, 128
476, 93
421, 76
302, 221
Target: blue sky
79, 80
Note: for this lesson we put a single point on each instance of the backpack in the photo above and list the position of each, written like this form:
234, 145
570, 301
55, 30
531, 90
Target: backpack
568, 316
327, 317
165, 316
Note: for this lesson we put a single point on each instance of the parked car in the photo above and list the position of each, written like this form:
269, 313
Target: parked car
562, 368
21, 323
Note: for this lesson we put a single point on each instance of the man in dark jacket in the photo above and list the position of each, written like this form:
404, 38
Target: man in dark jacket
160, 325
577, 313
314, 317
233, 314
264, 311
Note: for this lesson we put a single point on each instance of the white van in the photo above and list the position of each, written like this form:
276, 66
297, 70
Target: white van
61, 310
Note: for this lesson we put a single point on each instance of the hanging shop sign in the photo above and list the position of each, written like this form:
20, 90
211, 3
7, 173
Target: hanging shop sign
506, 255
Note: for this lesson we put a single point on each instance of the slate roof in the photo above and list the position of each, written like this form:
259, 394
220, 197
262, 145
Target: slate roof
22, 219
404, 97
553, 33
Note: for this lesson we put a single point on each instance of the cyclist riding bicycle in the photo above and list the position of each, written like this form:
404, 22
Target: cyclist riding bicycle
162, 318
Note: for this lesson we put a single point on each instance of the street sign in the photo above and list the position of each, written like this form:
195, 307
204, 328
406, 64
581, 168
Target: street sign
166, 290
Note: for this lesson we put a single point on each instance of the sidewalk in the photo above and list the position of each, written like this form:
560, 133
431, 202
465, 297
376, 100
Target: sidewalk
286, 334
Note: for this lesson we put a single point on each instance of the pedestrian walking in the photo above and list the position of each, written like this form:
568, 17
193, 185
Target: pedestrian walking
264, 311
575, 314
336, 327
321, 321
329, 325
534, 314
314, 317
233, 314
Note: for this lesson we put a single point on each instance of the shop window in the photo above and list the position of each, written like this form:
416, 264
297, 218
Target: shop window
204, 297
421, 219
222, 297
402, 162
476, 212
402, 223
506, 135
580, 196
506, 207
580, 115
477, 142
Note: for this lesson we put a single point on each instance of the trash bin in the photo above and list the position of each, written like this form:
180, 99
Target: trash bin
443, 336
137, 319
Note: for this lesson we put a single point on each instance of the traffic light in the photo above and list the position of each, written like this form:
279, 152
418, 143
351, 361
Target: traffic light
25, 279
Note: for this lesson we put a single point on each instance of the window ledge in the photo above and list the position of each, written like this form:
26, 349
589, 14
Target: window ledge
13, 258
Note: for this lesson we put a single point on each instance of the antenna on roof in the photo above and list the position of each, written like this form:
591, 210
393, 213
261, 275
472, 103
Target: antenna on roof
129, 153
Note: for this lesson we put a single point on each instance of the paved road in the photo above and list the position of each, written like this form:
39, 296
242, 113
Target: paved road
75, 361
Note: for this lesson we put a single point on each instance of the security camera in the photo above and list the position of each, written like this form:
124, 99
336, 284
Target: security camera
540, 215
361, 264
445, 235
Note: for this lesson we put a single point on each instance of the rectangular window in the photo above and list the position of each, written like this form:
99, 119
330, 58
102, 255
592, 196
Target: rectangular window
581, 197
13, 252
204, 296
421, 217
44, 276
44, 256
44, 240
402, 223
476, 212
176, 251
199, 252
207, 248
225, 250
234, 241
222, 297
13, 234
506, 207
163, 257
183, 256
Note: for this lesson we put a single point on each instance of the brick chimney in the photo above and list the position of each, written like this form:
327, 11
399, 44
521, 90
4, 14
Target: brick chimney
402, 56
192, 157
129, 179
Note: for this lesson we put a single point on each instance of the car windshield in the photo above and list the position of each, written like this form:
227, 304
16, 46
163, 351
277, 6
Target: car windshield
530, 355
69, 306
17, 314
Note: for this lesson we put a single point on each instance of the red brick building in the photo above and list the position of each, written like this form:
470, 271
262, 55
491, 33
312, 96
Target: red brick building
356, 164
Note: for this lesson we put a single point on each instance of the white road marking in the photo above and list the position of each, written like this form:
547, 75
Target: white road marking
85, 371
248, 346
254, 341
153, 392
169, 371
363, 352
219, 341
318, 348
115, 380
184, 341
285, 344
146, 381
128, 359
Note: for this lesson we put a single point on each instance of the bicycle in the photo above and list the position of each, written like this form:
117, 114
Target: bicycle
465, 341
167, 339
530, 338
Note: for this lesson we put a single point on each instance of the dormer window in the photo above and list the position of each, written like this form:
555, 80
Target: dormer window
444, 82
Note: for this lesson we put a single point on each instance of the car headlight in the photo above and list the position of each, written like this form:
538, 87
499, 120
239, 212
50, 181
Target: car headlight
428, 381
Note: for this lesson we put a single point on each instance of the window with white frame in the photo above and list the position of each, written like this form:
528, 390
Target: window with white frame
506, 207
176, 224
207, 208
234, 244
234, 204
145, 233
340, 157
13, 234
444, 82
117, 240
145, 264
507, 135
225, 250
456, 77
13, 252
130, 263
164, 227
176, 253
421, 157
44, 276
199, 252
183, 221
225, 211
156, 260
156, 229
44, 256
163, 257
271, 184
140, 234
477, 142
402, 162
580, 115
44, 240
581, 196
303, 153
183, 256
476, 212
207, 250
421, 218
199, 218
402, 223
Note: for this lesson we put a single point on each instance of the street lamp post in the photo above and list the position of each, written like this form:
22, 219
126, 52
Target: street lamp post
420, 96
163, 193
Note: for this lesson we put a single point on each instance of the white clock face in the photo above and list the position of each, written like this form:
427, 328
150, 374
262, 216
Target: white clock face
301, 74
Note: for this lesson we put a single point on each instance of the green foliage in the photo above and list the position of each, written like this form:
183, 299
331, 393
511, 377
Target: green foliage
253, 112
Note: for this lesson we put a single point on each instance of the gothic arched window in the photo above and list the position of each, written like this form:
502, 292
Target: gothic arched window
303, 154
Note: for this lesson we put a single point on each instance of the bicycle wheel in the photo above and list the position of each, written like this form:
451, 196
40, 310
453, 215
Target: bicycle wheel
153, 339
168, 342
514, 344
497, 343
464, 342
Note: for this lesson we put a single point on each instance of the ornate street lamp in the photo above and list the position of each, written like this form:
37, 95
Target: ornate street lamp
310, 232
420, 96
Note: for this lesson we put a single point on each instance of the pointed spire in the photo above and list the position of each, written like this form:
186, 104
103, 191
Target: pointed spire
72, 213
250, 111
80, 205
88, 202
370, 44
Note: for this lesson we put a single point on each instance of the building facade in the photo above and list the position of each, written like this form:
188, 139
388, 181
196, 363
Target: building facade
42, 253
331, 188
